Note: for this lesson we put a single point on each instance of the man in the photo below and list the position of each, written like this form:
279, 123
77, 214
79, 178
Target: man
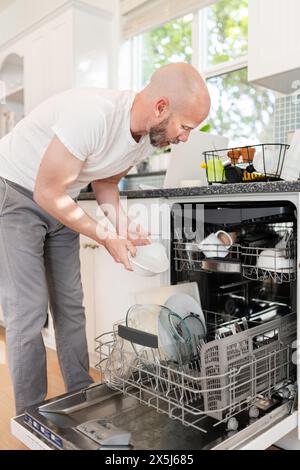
74, 138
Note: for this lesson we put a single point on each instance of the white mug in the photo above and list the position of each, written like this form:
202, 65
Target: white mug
213, 247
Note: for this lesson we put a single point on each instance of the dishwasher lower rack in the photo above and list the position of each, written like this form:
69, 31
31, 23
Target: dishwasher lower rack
227, 377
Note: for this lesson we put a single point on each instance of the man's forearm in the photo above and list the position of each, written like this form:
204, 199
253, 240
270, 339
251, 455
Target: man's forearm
108, 198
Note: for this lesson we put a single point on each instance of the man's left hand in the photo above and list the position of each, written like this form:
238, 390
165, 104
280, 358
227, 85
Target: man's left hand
138, 236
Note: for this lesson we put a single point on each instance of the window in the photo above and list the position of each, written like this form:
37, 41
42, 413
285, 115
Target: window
241, 111
171, 42
225, 26
215, 40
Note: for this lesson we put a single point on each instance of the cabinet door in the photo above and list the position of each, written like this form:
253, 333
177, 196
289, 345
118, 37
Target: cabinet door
48, 61
87, 260
274, 46
36, 70
114, 286
108, 288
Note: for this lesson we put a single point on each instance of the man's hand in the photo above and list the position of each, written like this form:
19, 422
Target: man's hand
118, 248
137, 235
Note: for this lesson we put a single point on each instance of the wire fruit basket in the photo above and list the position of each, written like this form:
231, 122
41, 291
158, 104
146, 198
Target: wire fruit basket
223, 379
261, 162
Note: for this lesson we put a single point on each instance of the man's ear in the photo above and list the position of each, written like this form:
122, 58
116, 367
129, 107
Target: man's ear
161, 106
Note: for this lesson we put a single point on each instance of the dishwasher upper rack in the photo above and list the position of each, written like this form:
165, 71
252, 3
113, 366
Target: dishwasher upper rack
245, 260
226, 378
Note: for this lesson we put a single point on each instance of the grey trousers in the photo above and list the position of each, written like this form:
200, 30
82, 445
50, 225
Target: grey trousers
39, 262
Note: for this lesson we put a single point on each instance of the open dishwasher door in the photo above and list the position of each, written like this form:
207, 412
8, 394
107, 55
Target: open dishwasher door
239, 392
100, 418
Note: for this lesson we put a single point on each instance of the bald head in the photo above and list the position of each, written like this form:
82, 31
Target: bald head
181, 84
174, 102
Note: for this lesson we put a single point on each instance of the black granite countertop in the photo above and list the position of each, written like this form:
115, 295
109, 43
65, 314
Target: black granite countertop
237, 188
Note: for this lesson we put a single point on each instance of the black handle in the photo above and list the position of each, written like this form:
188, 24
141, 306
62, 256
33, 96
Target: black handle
138, 337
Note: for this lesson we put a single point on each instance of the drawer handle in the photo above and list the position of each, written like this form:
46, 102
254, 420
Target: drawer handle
93, 246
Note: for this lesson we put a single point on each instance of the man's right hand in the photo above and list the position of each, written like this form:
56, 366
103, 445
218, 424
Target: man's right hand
118, 248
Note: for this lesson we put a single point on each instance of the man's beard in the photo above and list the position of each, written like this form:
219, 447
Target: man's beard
158, 135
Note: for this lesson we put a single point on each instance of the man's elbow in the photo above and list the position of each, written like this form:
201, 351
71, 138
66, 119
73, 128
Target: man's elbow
38, 198
42, 197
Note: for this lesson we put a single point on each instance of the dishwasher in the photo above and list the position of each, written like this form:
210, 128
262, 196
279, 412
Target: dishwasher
239, 390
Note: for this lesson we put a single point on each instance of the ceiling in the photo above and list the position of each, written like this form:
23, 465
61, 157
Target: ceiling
5, 3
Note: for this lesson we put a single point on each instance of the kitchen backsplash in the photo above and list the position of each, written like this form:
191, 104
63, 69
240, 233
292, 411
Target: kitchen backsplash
286, 118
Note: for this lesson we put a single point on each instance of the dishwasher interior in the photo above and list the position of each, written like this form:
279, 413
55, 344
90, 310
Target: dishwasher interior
241, 371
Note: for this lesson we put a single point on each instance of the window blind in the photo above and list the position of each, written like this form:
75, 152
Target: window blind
141, 15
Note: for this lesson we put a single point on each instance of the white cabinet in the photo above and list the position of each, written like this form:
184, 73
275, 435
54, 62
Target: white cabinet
274, 45
108, 288
48, 60
88, 261
11, 90
76, 46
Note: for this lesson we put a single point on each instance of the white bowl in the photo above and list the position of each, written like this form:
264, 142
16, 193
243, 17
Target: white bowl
273, 260
150, 260
140, 270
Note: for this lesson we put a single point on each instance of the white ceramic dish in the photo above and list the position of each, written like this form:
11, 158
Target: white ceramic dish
174, 338
273, 260
192, 319
183, 305
150, 260
214, 246
141, 270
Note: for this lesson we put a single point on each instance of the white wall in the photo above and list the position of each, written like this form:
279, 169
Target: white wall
22, 14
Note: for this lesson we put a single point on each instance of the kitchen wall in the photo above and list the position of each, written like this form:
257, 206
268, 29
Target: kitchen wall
19, 15
286, 117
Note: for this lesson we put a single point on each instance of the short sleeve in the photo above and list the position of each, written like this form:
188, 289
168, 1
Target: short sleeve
80, 126
143, 155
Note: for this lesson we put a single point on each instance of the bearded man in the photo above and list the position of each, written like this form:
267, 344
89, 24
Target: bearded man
78, 137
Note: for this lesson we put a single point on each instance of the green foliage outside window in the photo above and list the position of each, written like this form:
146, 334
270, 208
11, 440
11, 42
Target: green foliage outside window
171, 42
240, 110
227, 31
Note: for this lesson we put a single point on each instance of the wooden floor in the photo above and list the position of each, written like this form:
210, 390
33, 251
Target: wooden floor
7, 407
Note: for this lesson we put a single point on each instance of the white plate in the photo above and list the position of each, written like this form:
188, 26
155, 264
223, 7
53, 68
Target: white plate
174, 338
183, 305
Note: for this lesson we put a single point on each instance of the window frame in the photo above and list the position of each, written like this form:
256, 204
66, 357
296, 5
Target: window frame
199, 46
199, 51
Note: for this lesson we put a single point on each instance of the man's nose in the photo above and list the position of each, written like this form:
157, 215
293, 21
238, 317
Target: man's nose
184, 137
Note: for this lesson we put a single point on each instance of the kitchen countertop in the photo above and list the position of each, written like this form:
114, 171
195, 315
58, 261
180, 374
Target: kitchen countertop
237, 188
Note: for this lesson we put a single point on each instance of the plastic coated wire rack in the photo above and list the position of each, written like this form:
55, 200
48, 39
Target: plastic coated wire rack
254, 263
232, 367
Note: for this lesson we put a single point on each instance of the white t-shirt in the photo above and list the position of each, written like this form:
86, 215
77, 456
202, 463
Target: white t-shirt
92, 123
